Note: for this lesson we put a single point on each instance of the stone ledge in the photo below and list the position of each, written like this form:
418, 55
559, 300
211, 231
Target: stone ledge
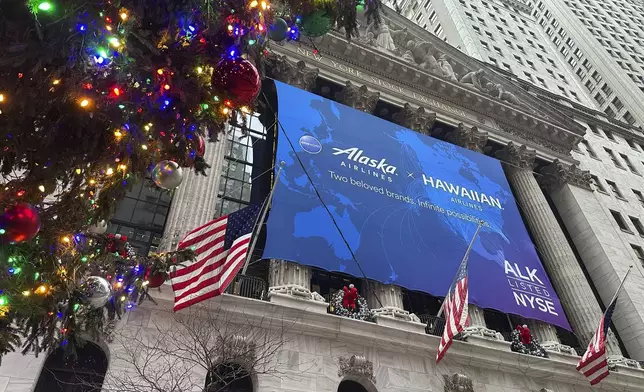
300, 303
398, 323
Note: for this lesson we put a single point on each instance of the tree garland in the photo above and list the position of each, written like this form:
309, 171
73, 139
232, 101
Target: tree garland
534, 348
93, 95
362, 311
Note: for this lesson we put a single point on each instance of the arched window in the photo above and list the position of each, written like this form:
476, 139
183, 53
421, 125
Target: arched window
228, 377
81, 373
351, 386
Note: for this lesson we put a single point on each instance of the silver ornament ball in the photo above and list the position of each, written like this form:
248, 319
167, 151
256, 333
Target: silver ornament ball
167, 175
99, 228
97, 291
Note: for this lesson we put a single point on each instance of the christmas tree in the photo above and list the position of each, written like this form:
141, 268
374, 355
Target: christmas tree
96, 95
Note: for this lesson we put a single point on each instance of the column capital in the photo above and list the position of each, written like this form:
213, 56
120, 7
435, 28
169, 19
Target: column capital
517, 155
557, 174
470, 138
358, 97
294, 73
418, 119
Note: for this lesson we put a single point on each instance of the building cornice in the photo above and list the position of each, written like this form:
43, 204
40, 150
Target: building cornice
413, 85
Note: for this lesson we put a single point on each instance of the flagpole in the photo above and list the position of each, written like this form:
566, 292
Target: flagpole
620, 286
261, 218
467, 253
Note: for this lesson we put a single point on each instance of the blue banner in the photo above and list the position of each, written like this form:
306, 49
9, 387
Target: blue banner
406, 204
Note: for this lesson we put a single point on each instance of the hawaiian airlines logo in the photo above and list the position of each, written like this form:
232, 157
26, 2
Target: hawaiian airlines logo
356, 155
310, 144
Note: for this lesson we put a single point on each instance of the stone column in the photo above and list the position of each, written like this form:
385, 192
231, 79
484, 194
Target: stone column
195, 200
554, 178
294, 73
568, 279
284, 273
359, 98
475, 140
418, 119
288, 281
386, 301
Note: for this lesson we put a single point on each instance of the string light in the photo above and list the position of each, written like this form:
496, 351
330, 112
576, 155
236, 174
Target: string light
56, 82
253, 4
160, 71
84, 102
167, 87
26, 293
123, 15
41, 188
114, 42
117, 133
42, 289
1, 97
45, 6
66, 240
109, 171
144, 147
3, 300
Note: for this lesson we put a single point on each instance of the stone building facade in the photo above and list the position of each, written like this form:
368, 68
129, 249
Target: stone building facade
423, 83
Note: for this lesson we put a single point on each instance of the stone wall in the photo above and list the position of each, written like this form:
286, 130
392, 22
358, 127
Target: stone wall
316, 353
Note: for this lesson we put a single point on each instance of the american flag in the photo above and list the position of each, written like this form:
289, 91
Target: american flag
221, 246
594, 364
454, 309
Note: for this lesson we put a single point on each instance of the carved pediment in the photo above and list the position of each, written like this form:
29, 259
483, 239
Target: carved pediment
404, 53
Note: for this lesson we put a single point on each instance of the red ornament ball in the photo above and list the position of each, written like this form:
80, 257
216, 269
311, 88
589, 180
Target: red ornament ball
200, 146
156, 280
19, 223
238, 78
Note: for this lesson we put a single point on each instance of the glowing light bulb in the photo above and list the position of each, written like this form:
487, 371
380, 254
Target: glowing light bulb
199, 69
230, 27
78, 171
115, 42
42, 289
123, 298
253, 4
41, 188
56, 82
92, 182
84, 102
160, 71
144, 147
26, 293
167, 87
123, 15
109, 171
45, 6
118, 133
264, 5
225, 110
116, 91
3, 300
66, 240
244, 109
1, 97
122, 167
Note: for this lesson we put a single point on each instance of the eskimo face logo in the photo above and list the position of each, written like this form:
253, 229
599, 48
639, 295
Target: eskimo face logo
310, 144
357, 155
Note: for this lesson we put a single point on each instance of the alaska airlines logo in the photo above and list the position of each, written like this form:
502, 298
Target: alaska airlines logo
357, 155
310, 144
